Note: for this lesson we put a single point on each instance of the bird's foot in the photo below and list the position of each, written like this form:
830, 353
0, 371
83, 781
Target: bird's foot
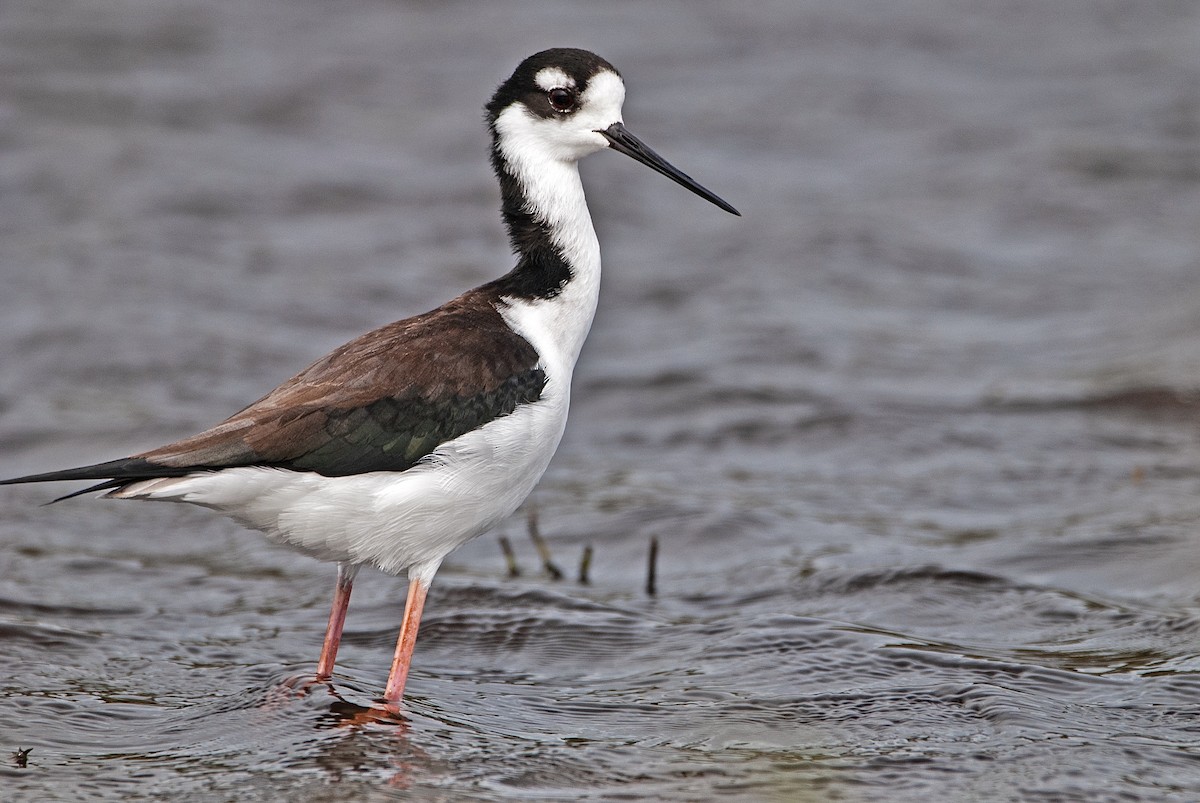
299, 686
351, 715
303, 685
345, 713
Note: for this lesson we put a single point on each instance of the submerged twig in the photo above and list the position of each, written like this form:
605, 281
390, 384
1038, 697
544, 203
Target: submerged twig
652, 568
510, 557
540, 544
585, 564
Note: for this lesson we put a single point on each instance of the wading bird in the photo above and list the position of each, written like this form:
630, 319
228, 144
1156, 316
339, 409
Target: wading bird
410, 440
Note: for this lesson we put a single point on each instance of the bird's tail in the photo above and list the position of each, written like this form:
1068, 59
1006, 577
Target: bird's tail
113, 474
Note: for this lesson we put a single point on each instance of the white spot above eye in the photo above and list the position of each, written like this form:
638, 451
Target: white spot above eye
553, 78
605, 94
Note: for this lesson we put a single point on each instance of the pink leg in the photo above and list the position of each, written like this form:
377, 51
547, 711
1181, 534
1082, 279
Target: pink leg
337, 619
404, 645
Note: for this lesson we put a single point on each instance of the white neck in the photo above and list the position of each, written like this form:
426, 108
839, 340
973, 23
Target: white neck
553, 192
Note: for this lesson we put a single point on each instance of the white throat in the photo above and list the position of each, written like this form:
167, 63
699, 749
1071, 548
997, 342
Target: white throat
550, 182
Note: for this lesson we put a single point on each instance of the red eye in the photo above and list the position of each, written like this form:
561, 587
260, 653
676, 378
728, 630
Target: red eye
563, 100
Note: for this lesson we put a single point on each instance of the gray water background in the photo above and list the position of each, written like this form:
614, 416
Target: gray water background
917, 435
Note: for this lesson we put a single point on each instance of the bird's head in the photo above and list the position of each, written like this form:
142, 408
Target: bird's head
564, 104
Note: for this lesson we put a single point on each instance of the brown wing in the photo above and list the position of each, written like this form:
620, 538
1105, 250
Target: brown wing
379, 403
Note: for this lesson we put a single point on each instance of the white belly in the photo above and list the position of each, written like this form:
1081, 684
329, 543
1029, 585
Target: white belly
392, 520
413, 519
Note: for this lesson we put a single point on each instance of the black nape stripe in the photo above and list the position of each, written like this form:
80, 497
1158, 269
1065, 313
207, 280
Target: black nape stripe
542, 271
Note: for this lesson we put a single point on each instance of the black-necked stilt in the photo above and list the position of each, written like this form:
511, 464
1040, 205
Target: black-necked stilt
412, 439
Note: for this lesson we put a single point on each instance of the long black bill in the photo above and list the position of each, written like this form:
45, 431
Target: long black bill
624, 142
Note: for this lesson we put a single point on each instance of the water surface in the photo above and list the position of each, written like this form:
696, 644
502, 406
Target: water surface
916, 435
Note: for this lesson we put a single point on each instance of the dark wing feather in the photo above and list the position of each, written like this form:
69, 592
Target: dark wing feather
379, 403
115, 473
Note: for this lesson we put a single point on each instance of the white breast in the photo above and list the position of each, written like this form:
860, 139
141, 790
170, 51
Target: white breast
408, 520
